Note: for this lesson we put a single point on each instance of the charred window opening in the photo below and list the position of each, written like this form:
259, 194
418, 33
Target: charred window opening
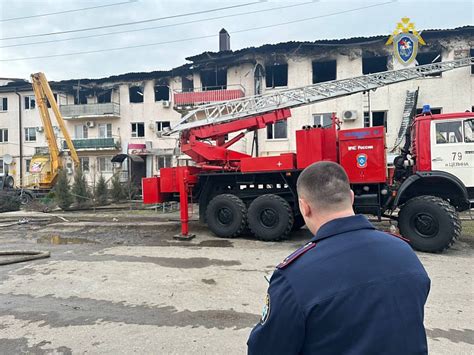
136, 94
104, 97
215, 79
55, 99
428, 58
162, 93
372, 65
324, 71
187, 84
434, 110
276, 75
471, 54
80, 98
375, 119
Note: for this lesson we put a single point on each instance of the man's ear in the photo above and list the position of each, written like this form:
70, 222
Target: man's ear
305, 208
352, 197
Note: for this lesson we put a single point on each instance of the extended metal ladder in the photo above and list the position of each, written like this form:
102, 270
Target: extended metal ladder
254, 105
409, 111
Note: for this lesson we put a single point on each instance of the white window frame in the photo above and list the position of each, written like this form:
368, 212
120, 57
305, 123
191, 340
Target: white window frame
2, 166
104, 127
160, 126
3, 134
29, 99
135, 131
318, 119
28, 136
107, 164
82, 160
167, 160
84, 131
272, 126
27, 165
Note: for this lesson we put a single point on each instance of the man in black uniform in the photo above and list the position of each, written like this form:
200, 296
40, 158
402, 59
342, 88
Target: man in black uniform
350, 290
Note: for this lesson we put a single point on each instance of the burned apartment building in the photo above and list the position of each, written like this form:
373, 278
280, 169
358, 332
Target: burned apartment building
121, 117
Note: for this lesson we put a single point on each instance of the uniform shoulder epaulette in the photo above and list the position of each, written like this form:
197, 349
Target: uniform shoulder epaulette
399, 237
295, 255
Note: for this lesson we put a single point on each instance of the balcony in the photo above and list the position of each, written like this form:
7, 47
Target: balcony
90, 111
207, 94
95, 144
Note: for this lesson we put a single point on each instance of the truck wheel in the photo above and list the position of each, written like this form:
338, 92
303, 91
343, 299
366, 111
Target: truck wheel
430, 223
25, 198
270, 217
226, 216
298, 223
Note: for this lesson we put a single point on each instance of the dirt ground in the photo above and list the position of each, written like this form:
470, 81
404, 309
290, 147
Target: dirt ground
117, 283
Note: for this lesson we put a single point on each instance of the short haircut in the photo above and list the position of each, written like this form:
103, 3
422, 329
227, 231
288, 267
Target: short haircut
324, 184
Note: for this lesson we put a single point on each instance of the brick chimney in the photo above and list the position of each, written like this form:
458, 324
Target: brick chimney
224, 40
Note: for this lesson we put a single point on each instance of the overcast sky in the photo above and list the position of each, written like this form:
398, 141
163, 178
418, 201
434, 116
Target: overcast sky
367, 22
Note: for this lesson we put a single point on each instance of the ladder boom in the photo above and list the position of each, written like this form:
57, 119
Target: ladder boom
231, 110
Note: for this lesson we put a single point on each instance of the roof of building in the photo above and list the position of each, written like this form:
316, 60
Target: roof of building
23, 85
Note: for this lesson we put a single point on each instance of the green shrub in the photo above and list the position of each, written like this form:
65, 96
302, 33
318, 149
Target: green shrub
101, 192
9, 202
79, 188
62, 191
117, 192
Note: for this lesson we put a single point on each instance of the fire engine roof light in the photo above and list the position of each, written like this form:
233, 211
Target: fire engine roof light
426, 109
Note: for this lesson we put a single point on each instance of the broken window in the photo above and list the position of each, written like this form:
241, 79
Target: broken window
434, 110
81, 131
161, 125
215, 79
277, 130
163, 161
324, 71
375, 119
55, 99
136, 94
30, 102
322, 119
162, 93
276, 75
187, 83
138, 129
3, 104
471, 54
428, 58
372, 65
84, 164
80, 98
3, 135
30, 134
104, 97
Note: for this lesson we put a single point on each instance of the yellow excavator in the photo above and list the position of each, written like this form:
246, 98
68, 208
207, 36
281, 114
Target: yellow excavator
44, 168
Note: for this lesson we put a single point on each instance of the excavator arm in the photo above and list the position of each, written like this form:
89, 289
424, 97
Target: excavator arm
44, 95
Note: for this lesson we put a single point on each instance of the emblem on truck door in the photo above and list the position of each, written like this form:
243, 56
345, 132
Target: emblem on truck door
361, 160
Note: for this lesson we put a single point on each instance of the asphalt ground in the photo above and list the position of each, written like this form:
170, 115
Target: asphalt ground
118, 283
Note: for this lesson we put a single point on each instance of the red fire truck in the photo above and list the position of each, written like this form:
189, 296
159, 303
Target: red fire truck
432, 179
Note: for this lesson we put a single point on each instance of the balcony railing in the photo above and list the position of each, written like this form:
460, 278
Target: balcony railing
207, 94
95, 144
110, 109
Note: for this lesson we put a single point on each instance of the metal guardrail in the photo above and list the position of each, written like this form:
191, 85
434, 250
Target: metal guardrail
94, 143
110, 109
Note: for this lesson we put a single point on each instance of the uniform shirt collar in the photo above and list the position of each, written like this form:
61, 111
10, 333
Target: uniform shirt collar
342, 225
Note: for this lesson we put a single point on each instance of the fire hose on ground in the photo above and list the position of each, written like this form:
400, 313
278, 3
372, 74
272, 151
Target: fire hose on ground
22, 255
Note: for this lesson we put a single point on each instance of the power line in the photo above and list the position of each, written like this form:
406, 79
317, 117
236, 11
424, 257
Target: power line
66, 11
158, 27
198, 37
132, 23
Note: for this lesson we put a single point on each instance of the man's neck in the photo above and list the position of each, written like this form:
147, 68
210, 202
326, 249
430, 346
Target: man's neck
323, 219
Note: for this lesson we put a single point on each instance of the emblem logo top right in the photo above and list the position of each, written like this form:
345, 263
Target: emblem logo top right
405, 40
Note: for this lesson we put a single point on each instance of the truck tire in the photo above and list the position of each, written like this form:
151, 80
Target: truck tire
270, 217
298, 222
430, 223
226, 216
